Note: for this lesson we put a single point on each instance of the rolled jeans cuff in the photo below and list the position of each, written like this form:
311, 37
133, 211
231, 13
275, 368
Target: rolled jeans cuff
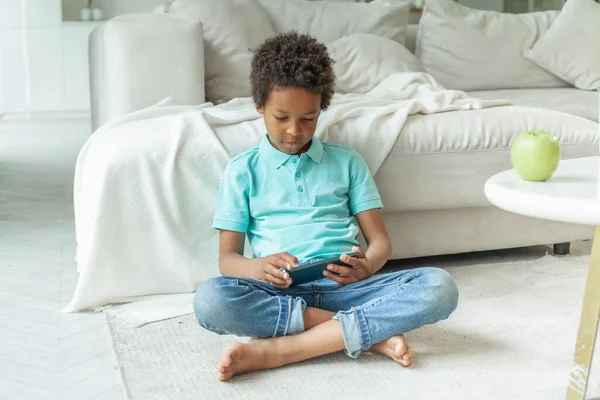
291, 316
354, 330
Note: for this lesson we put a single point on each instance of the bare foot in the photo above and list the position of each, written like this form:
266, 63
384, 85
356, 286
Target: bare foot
395, 348
255, 355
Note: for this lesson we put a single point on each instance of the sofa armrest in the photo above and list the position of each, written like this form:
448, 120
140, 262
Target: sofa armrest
137, 60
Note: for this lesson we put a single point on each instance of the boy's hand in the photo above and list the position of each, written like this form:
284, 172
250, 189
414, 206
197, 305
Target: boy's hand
270, 269
362, 269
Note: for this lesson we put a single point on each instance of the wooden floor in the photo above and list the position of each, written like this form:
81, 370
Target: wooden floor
45, 354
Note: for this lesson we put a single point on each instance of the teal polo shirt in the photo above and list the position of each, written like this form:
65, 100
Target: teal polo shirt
304, 205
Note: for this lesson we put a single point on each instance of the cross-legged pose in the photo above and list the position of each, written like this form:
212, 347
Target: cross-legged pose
299, 200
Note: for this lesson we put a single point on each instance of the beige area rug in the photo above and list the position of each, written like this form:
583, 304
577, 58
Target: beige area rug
512, 337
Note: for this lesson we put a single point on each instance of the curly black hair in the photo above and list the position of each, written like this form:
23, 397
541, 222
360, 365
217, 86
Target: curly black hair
292, 59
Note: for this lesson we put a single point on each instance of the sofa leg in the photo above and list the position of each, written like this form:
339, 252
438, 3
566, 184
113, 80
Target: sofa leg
562, 248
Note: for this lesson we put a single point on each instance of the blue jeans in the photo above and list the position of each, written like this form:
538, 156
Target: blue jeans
369, 311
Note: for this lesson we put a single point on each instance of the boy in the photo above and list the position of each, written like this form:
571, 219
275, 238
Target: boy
299, 199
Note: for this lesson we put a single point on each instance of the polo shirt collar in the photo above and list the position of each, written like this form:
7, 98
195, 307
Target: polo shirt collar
277, 158
315, 151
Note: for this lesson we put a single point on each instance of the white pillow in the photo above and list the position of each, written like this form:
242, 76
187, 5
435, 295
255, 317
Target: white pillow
231, 29
571, 47
468, 49
329, 21
363, 60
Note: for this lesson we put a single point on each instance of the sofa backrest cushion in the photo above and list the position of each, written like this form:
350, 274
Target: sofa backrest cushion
231, 29
468, 49
328, 21
363, 60
571, 47
410, 37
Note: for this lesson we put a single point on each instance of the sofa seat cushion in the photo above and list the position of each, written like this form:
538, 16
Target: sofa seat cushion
570, 100
442, 161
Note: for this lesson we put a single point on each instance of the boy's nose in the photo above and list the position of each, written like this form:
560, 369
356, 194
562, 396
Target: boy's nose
294, 129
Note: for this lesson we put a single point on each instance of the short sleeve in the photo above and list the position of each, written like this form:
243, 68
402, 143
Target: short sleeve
232, 211
363, 194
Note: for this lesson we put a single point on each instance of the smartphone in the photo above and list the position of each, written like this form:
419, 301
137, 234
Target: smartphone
312, 271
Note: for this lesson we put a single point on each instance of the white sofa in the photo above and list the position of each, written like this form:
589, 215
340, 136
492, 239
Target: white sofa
432, 181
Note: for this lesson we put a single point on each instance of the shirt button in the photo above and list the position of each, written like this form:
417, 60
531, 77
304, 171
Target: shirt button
298, 175
294, 160
299, 188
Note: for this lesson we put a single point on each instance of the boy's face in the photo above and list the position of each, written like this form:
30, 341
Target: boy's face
291, 115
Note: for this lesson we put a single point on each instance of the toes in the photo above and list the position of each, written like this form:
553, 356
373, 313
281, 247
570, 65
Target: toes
225, 377
400, 347
226, 359
225, 372
225, 363
403, 352
223, 369
406, 358
399, 350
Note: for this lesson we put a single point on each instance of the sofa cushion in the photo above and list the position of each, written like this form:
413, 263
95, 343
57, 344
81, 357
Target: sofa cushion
329, 21
470, 49
571, 47
569, 100
410, 37
231, 28
442, 161
363, 60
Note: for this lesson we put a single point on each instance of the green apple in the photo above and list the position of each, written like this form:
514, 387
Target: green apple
535, 155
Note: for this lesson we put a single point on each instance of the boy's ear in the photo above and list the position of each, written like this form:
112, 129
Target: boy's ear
260, 110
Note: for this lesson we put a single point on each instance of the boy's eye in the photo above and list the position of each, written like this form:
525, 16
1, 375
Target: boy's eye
285, 117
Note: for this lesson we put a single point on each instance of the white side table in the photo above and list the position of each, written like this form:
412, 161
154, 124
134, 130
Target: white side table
571, 195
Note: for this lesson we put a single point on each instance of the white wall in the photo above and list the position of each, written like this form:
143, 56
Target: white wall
110, 8
43, 60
